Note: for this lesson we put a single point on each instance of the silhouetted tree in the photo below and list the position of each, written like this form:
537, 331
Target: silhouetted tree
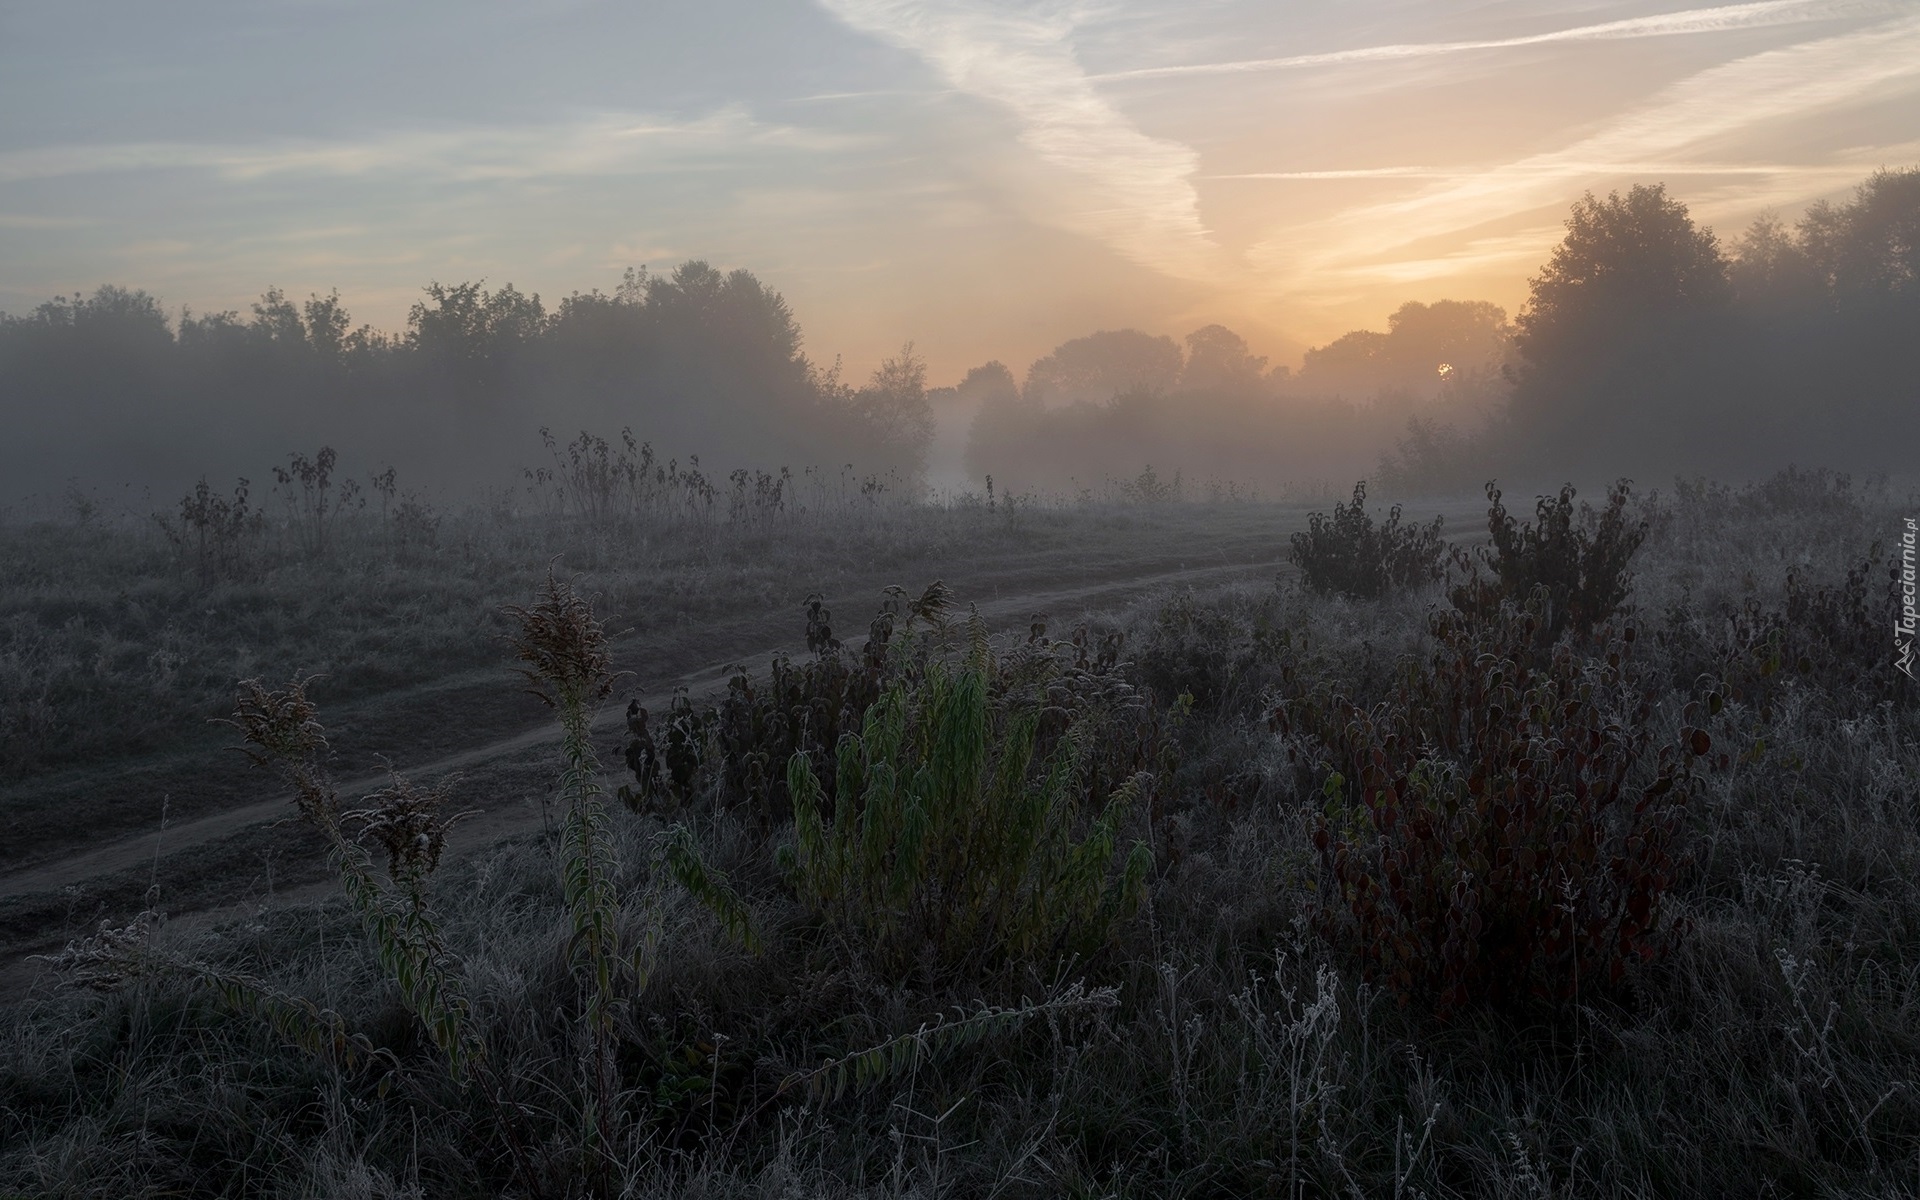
1102, 365
1773, 278
1867, 251
1611, 336
276, 320
1002, 419
1449, 346
1218, 361
894, 409
1628, 265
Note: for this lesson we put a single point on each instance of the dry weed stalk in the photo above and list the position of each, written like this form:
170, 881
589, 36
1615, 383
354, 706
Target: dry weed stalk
283, 731
570, 667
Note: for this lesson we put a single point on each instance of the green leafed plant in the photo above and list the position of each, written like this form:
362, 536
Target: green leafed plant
948, 842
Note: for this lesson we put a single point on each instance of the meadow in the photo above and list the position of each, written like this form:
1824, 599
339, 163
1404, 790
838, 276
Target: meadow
1566, 849
122, 634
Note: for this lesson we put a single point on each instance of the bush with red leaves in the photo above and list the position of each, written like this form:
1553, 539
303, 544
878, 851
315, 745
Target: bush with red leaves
1500, 829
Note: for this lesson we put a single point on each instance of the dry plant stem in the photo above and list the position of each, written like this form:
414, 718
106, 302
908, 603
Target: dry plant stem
283, 730
588, 884
568, 663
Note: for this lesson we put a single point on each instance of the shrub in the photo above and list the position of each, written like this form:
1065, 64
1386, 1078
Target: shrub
314, 503
1828, 639
1578, 564
736, 752
212, 531
952, 841
1220, 654
1348, 553
1822, 491
1482, 830
1434, 457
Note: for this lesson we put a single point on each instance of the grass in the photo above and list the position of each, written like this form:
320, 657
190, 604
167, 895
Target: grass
1225, 1040
115, 654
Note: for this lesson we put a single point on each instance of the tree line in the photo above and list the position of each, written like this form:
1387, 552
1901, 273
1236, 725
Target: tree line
109, 386
1647, 346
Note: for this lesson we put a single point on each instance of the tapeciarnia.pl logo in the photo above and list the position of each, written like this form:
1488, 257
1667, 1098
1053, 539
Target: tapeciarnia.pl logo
1903, 629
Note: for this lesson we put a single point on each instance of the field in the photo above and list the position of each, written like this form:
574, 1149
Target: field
1209, 881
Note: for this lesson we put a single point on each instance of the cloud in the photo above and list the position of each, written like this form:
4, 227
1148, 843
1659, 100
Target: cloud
604, 144
1717, 103
1691, 21
1135, 192
1558, 170
38, 221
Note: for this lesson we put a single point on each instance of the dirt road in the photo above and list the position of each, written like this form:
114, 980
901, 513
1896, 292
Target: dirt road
43, 886
490, 824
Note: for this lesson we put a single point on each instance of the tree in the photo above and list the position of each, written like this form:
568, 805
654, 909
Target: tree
327, 325
1867, 251
1353, 364
1628, 267
989, 385
1103, 365
1772, 276
471, 334
1435, 342
894, 408
1627, 331
1218, 361
1002, 419
276, 319
1428, 351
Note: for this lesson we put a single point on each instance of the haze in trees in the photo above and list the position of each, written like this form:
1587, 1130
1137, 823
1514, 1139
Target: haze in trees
1647, 345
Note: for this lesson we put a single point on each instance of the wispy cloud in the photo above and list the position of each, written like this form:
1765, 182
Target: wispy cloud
606, 144
1559, 170
1692, 21
1136, 192
38, 221
1715, 104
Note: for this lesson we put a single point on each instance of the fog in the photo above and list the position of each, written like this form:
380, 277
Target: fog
1648, 347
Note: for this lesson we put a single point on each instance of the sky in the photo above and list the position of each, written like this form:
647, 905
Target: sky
984, 179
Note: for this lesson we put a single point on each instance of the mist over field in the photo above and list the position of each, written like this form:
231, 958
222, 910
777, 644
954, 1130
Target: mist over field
1246, 250
959, 598
1647, 348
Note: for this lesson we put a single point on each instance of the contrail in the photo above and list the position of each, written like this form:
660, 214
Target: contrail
1697, 20
1555, 169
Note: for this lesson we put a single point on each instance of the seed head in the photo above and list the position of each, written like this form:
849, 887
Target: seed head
564, 646
111, 957
409, 823
281, 728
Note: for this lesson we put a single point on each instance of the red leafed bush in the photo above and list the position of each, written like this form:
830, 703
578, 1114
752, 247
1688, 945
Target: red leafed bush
1500, 828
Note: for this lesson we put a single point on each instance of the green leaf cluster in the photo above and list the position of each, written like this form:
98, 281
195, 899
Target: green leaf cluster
951, 842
